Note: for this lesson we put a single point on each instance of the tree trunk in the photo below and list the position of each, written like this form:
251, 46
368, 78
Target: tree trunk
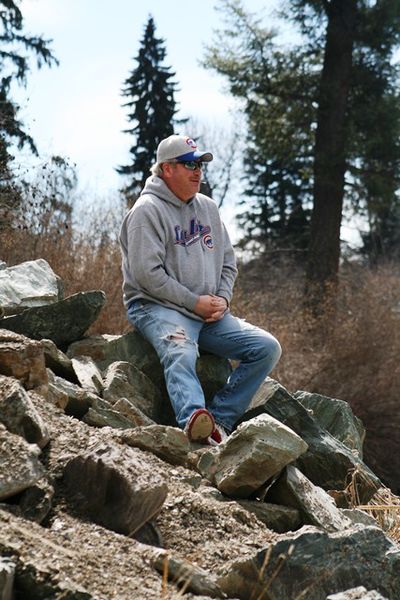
329, 161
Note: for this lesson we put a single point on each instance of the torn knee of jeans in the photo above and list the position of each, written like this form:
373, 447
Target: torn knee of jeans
178, 336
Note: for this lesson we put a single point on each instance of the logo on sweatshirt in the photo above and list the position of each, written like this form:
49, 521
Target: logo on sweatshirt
194, 234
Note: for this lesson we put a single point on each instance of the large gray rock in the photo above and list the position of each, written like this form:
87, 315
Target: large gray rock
168, 443
277, 517
70, 397
23, 359
319, 563
135, 415
29, 284
18, 413
115, 487
88, 374
19, 464
58, 362
328, 462
336, 417
255, 452
62, 322
314, 504
102, 414
133, 348
123, 380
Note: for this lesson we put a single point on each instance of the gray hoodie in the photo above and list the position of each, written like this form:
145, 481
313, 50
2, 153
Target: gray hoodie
174, 251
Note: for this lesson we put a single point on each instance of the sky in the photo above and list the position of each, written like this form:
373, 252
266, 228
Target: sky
75, 110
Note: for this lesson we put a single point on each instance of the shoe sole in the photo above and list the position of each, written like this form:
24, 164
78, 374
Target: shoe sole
201, 427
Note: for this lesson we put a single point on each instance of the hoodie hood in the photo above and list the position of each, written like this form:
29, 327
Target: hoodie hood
157, 187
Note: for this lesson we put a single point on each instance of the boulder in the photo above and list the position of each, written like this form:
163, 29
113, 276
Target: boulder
88, 374
168, 443
18, 413
123, 380
23, 359
20, 467
259, 449
68, 396
131, 347
115, 487
186, 575
135, 415
27, 285
76, 313
276, 517
336, 417
58, 362
319, 563
328, 462
102, 414
314, 504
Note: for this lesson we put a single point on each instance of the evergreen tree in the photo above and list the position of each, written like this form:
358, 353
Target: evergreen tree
299, 146
150, 89
15, 51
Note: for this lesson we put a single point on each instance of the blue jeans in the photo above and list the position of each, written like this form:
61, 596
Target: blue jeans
177, 338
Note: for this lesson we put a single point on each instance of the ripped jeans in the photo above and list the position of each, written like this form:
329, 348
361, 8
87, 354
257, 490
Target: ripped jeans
176, 339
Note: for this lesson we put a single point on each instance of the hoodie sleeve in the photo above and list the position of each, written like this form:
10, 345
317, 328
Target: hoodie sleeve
229, 270
146, 258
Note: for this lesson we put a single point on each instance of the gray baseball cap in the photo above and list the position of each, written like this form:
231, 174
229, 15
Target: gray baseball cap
181, 147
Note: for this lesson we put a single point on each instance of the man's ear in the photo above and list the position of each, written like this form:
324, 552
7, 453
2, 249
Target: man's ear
167, 170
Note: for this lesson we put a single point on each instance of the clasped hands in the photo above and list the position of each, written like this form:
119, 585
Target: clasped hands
211, 308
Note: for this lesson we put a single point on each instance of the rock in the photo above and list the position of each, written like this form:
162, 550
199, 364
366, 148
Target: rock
187, 576
359, 517
75, 400
133, 348
88, 374
18, 413
168, 443
102, 414
36, 501
23, 359
276, 517
358, 593
314, 504
7, 572
320, 563
328, 462
149, 534
134, 414
336, 417
115, 487
20, 467
255, 452
76, 313
29, 284
58, 362
124, 380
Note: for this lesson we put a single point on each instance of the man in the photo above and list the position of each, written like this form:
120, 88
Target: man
179, 269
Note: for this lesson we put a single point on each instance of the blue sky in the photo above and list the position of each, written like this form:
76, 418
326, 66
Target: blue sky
75, 109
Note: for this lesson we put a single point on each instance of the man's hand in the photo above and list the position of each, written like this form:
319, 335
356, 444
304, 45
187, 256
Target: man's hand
211, 308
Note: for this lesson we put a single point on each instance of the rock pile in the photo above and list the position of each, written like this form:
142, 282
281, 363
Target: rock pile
102, 496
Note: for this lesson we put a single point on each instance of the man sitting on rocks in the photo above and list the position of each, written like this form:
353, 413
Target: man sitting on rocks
179, 269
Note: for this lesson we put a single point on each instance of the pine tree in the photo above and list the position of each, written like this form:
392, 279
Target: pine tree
150, 89
15, 51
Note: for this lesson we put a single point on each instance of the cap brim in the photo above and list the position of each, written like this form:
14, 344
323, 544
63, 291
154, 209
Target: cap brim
196, 155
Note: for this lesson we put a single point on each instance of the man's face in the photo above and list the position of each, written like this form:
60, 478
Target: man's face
182, 182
